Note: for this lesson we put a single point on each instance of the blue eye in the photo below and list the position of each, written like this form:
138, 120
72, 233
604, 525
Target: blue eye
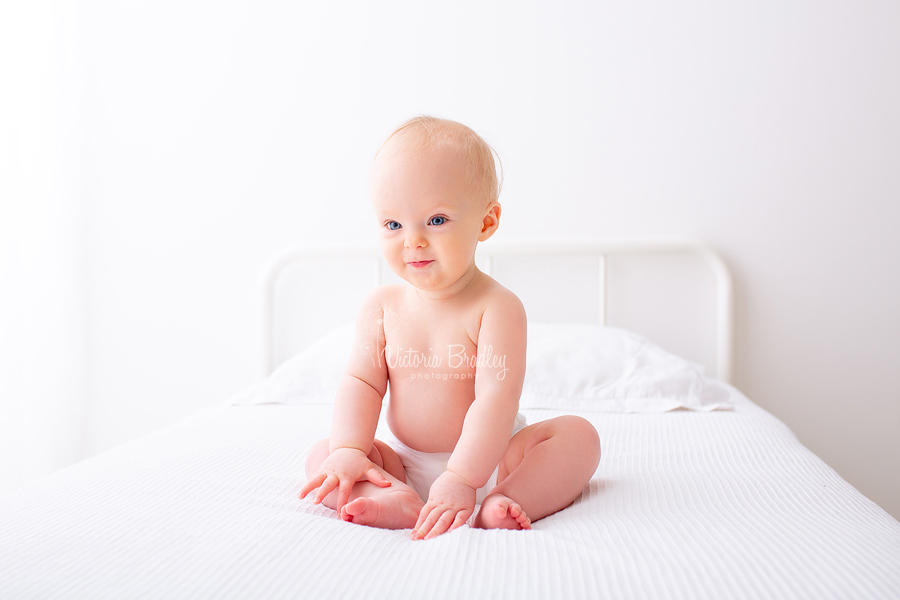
393, 225
437, 220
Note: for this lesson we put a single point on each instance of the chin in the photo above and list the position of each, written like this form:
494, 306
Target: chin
428, 286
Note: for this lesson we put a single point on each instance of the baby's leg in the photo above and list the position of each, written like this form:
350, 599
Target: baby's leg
544, 469
394, 507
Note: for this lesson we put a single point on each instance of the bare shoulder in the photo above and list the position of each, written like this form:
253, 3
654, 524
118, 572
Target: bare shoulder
370, 316
381, 296
501, 312
498, 298
502, 333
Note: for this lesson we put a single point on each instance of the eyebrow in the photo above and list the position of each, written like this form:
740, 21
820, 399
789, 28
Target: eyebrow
436, 210
442, 209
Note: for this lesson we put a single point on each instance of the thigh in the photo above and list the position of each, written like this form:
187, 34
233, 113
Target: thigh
387, 458
519, 444
576, 430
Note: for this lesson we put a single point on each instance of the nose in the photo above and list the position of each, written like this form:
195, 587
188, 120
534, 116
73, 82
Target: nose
414, 239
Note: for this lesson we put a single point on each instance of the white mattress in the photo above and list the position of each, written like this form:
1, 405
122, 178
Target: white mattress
684, 504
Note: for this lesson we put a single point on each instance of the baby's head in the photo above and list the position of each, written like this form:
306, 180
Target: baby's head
424, 133
434, 190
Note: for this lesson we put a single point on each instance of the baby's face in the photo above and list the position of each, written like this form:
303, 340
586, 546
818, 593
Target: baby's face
431, 216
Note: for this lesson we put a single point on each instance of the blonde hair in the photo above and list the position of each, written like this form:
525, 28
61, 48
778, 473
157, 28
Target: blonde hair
424, 132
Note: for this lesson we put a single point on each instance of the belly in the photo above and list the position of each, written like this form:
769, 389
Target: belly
428, 406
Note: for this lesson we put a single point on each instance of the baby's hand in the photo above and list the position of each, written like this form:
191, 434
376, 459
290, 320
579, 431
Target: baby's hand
341, 470
451, 502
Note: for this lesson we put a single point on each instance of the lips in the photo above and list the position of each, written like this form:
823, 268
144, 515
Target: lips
419, 264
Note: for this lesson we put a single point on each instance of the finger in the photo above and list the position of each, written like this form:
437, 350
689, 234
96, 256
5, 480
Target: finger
423, 514
311, 484
441, 524
461, 519
376, 477
430, 520
344, 490
330, 482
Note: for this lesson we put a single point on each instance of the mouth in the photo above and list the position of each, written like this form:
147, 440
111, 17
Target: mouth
419, 264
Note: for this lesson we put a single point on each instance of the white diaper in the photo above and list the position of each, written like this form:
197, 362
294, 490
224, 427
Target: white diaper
422, 468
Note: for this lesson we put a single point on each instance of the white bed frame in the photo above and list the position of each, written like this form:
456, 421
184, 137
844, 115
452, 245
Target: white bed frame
490, 253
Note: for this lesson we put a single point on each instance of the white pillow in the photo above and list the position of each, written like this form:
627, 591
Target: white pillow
310, 377
593, 367
568, 367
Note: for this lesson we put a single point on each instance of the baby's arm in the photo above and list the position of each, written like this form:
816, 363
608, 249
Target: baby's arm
357, 405
489, 420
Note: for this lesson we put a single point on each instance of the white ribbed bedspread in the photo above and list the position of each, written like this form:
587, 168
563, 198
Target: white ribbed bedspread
683, 505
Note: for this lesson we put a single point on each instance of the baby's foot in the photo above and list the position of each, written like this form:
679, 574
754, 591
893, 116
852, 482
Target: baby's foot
501, 512
397, 509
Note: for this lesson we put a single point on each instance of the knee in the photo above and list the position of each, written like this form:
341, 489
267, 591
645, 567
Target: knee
317, 454
583, 435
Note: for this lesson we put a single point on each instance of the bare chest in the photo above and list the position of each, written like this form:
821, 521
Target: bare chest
430, 342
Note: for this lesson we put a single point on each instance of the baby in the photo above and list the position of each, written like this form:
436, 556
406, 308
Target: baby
451, 343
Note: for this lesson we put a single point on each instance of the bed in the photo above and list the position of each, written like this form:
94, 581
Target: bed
700, 493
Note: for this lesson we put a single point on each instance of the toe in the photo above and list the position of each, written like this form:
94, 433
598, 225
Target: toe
353, 509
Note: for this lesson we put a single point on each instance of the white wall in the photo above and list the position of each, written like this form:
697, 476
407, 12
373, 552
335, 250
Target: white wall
219, 133
42, 286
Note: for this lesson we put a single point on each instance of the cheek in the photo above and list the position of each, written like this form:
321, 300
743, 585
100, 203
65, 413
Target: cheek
388, 247
461, 247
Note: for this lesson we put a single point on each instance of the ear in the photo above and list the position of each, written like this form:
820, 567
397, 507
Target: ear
491, 222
